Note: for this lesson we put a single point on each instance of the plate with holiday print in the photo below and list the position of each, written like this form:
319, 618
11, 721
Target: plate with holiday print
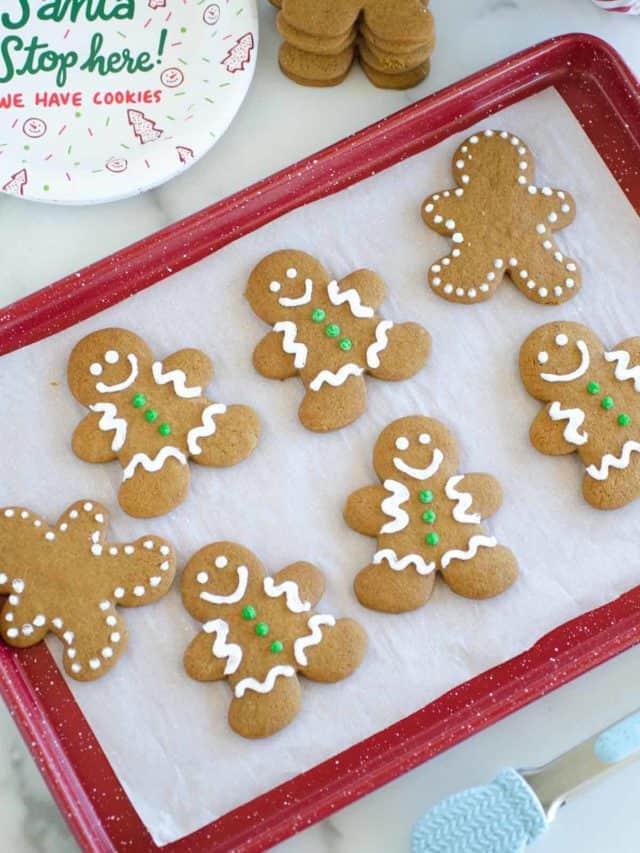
103, 99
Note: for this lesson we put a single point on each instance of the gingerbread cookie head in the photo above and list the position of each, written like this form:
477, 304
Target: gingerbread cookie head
500, 223
426, 518
328, 332
152, 416
415, 448
555, 355
67, 579
260, 632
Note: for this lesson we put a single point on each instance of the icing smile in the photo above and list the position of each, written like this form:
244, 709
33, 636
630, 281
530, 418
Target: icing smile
420, 473
291, 302
120, 386
575, 374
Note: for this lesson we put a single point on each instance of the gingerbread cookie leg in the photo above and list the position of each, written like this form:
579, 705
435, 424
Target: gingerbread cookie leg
154, 485
257, 714
482, 570
606, 486
236, 433
332, 407
456, 276
543, 273
399, 352
379, 588
94, 643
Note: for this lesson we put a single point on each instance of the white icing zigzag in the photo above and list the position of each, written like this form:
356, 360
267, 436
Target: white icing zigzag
154, 464
391, 506
575, 419
380, 344
267, 685
311, 639
290, 344
609, 461
109, 422
235, 596
126, 383
622, 370
207, 429
479, 541
352, 297
399, 565
291, 592
177, 378
463, 502
220, 648
337, 378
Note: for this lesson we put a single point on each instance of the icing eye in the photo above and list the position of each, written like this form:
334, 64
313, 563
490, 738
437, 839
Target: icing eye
424, 438
402, 443
562, 340
220, 562
292, 273
275, 286
111, 356
95, 369
202, 577
543, 357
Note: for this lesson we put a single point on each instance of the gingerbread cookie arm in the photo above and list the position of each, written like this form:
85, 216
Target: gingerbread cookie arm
556, 208
399, 350
261, 707
271, 360
333, 406
331, 650
188, 370
439, 212
625, 358
468, 276
100, 435
226, 436
140, 572
483, 489
368, 287
363, 510
309, 581
200, 660
550, 428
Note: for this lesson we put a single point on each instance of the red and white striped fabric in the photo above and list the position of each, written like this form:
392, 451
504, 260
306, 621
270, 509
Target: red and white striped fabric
627, 7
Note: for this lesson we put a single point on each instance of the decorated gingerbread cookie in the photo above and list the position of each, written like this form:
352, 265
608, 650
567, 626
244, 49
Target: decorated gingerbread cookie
500, 222
67, 579
328, 332
426, 518
152, 417
260, 632
592, 406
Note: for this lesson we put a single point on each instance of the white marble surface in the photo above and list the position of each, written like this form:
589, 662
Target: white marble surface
278, 124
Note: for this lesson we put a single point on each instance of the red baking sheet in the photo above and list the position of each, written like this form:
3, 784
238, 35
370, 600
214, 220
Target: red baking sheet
605, 98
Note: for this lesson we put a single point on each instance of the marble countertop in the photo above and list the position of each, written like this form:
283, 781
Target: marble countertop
279, 123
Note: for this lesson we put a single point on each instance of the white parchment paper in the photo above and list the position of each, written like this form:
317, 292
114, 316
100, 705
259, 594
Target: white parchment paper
166, 736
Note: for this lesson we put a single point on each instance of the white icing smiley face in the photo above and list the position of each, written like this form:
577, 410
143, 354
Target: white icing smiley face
116, 165
288, 299
172, 78
211, 14
110, 359
404, 444
558, 355
34, 128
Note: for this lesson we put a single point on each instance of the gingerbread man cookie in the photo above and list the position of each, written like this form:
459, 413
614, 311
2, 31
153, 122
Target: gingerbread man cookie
592, 406
328, 332
426, 517
259, 632
500, 222
66, 579
152, 417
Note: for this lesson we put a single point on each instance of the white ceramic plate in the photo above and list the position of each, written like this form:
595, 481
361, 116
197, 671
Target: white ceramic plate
102, 99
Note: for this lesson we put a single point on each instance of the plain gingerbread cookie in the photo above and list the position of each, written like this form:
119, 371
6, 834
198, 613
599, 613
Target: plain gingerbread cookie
500, 222
328, 333
592, 407
426, 518
152, 416
67, 579
260, 632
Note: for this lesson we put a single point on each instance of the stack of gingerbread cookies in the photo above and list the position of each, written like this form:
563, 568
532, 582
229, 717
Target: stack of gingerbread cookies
394, 40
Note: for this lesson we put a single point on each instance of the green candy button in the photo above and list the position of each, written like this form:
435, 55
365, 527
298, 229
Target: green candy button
429, 516
332, 330
262, 629
593, 387
432, 538
624, 420
164, 429
276, 646
607, 402
151, 415
345, 344
248, 613
425, 496
138, 400
318, 315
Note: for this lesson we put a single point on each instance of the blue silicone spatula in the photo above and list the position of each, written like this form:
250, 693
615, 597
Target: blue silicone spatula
517, 807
